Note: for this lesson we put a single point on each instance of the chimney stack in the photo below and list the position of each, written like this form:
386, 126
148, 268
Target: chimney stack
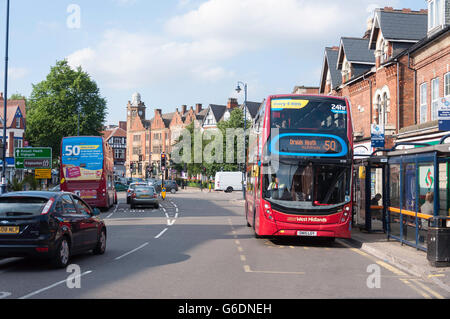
198, 108
123, 125
1, 95
232, 103
183, 109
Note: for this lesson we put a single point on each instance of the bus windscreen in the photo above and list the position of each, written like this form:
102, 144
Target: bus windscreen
82, 158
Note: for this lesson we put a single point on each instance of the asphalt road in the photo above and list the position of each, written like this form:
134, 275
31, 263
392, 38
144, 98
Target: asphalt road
197, 246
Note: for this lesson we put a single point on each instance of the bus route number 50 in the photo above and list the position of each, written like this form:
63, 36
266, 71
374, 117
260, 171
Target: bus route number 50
72, 150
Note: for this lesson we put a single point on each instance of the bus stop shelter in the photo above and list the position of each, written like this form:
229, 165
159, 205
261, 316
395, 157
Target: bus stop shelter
370, 207
417, 189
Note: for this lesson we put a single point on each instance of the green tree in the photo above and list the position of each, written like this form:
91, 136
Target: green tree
236, 121
52, 108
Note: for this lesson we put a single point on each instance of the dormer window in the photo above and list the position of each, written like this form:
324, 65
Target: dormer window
435, 14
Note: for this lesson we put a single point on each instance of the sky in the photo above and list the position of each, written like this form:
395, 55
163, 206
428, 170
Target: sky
180, 52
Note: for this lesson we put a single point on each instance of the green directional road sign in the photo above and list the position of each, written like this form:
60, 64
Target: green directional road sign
33, 157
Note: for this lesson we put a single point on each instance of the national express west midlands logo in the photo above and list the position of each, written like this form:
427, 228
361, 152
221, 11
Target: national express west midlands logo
429, 179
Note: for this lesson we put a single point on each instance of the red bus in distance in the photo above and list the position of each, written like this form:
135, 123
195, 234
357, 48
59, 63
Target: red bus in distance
87, 169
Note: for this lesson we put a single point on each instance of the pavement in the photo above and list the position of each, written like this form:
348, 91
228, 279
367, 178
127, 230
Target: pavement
404, 257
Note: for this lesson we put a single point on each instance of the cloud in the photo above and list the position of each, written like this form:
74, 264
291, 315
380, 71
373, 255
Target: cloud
17, 73
139, 59
197, 44
248, 24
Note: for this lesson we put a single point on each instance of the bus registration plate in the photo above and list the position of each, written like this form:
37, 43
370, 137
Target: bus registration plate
307, 233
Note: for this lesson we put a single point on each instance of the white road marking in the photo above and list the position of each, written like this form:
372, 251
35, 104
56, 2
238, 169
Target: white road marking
132, 251
52, 286
171, 222
176, 215
161, 233
4, 294
109, 215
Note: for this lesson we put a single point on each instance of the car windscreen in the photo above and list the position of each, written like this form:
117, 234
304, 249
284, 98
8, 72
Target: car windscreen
141, 189
21, 206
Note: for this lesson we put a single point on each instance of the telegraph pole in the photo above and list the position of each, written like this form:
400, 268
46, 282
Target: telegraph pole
3, 185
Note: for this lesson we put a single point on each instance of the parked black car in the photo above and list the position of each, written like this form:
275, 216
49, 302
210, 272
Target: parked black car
170, 185
49, 225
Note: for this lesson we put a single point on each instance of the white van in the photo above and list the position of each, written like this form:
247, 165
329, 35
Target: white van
228, 181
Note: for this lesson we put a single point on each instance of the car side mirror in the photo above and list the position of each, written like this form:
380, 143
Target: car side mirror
96, 211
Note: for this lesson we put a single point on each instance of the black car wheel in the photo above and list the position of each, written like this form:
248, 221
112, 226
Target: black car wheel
62, 254
229, 189
101, 244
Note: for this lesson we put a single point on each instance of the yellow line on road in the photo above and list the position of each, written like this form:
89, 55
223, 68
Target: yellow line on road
423, 294
434, 293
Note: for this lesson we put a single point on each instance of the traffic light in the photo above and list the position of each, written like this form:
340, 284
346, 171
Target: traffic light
163, 161
132, 166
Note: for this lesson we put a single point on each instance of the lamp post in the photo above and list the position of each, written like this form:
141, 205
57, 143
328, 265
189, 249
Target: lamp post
3, 185
238, 90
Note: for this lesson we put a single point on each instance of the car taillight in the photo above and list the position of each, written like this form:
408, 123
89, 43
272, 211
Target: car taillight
155, 196
47, 206
268, 211
346, 213
133, 195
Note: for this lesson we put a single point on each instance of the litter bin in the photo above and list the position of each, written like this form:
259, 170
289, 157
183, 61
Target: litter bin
438, 242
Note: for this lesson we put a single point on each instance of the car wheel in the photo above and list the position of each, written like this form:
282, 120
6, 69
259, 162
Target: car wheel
229, 189
101, 244
157, 206
173, 191
128, 200
62, 254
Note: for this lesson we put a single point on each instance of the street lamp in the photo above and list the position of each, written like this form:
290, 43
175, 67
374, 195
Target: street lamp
3, 185
238, 90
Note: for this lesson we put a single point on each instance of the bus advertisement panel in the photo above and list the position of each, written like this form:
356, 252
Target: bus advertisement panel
87, 170
300, 168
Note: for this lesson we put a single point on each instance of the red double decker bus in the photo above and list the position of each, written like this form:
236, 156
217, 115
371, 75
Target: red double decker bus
87, 169
299, 167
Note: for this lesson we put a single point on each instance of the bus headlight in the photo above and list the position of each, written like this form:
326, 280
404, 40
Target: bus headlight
268, 211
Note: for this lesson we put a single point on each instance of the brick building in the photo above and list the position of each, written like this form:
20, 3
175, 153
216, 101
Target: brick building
429, 60
138, 137
376, 74
15, 132
116, 137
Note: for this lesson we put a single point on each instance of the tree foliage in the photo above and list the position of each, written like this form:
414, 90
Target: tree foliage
236, 121
52, 108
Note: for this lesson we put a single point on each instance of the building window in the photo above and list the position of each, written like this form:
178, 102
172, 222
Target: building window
447, 84
423, 103
18, 122
136, 150
435, 13
119, 154
136, 138
434, 98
